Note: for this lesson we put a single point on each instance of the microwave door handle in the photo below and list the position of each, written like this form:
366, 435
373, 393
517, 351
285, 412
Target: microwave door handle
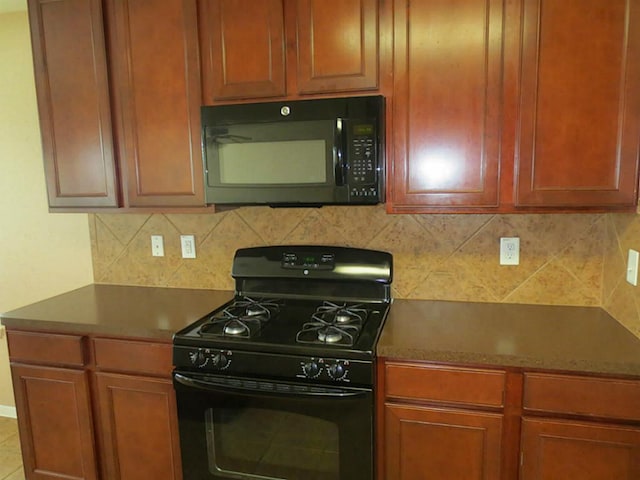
221, 387
339, 154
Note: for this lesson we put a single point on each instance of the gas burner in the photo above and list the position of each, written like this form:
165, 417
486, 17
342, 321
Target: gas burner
333, 324
344, 314
243, 318
330, 335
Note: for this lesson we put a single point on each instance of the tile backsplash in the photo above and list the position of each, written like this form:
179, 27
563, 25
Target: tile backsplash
620, 298
446, 257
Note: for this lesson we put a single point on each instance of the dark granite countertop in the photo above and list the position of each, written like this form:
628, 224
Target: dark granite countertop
577, 339
117, 310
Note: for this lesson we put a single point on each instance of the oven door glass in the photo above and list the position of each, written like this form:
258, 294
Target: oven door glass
254, 429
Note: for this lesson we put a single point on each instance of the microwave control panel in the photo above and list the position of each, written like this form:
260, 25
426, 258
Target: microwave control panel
363, 165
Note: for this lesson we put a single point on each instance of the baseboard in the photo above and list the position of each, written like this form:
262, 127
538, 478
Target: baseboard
7, 411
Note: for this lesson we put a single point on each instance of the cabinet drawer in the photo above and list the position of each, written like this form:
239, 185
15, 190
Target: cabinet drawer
46, 348
445, 384
599, 397
133, 357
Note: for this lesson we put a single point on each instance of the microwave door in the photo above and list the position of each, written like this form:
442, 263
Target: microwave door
274, 163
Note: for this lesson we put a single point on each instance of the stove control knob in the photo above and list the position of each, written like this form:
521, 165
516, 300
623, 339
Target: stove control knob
198, 358
311, 369
337, 371
220, 361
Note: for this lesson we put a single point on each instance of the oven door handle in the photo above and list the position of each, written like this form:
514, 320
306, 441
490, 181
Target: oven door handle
266, 387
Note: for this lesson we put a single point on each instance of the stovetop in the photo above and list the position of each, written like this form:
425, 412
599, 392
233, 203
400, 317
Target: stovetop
289, 326
312, 313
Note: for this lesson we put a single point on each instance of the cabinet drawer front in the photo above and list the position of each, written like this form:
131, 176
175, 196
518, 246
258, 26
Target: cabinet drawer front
133, 357
445, 384
600, 397
46, 348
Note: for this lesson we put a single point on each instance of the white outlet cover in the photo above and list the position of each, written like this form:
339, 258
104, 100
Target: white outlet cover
510, 251
157, 246
632, 267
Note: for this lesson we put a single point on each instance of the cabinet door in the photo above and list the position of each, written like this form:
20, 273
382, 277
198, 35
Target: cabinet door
337, 45
580, 104
554, 449
54, 417
243, 49
154, 56
447, 104
426, 443
138, 420
73, 102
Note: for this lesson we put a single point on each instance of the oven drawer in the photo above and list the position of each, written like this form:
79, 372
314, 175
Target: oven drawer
585, 396
46, 348
442, 384
127, 356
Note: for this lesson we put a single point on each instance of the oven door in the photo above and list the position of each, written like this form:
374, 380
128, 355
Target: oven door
238, 428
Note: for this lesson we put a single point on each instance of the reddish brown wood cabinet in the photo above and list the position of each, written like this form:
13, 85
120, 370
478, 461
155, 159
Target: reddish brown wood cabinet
139, 146
276, 48
450, 422
515, 106
447, 105
579, 104
573, 449
73, 102
440, 422
53, 401
139, 421
92, 408
598, 438
156, 90
136, 408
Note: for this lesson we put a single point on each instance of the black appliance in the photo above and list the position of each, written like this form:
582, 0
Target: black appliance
304, 152
279, 382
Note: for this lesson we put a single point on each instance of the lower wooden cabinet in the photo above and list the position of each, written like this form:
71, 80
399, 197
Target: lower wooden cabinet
55, 422
599, 436
94, 408
559, 449
445, 444
440, 422
139, 427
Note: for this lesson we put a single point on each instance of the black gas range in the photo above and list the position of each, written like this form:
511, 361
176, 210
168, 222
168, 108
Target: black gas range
315, 312
297, 341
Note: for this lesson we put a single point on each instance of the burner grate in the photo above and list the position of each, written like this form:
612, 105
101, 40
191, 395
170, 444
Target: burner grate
241, 319
333, 324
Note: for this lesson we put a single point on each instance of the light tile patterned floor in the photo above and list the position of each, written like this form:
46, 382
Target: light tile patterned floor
10, 458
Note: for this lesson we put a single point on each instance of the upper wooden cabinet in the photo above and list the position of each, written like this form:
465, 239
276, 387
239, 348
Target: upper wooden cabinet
73, 102
447, 107
579, 103
275, 48
156, 80
531, 105
148, 130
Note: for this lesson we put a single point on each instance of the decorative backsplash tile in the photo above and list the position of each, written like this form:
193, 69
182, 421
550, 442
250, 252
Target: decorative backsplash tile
619, 298
449, 257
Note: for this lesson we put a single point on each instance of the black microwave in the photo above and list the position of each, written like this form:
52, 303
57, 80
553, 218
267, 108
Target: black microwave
295, 153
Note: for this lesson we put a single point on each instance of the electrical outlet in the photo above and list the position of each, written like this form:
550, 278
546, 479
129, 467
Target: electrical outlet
632, 267
157, 246
510, 251
188, 243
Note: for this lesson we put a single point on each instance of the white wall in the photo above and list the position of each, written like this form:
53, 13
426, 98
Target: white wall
41, 254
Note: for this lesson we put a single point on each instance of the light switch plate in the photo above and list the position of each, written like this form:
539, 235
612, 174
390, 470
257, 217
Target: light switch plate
632, 267
188, 244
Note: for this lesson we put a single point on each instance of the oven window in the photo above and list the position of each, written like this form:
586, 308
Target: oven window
271, 444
